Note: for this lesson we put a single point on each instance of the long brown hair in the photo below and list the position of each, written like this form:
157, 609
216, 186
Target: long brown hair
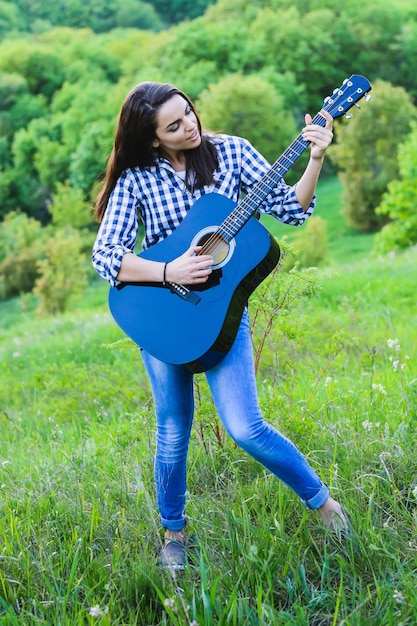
135, 132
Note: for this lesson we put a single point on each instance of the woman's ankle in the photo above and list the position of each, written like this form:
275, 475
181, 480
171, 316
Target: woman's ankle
331, 513
174, 535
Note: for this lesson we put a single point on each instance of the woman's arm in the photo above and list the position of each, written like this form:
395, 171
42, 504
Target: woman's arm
319, 138
187, 269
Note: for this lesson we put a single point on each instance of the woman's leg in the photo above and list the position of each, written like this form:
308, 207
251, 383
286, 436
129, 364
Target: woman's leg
172, 389
233, 387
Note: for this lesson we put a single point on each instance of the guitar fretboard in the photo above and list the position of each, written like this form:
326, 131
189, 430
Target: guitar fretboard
247, 207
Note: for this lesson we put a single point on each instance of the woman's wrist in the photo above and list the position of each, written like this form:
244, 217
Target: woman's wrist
319, 158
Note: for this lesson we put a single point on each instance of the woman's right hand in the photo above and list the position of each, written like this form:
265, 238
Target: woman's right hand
189, 268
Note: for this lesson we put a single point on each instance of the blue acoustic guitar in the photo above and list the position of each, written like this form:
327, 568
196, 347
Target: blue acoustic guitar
196, 325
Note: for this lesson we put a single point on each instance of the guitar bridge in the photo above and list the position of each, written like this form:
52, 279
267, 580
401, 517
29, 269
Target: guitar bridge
180, 290
184, 293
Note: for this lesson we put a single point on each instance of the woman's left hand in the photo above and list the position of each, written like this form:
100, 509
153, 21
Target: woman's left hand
319, 137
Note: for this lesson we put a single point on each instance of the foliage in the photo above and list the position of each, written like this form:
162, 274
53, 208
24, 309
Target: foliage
311, 243
64, 77
233, 106
99, 15
142, 15
9, 18
61, 87
174, 11
40, 68
68, 208
19, 272
277, 296
407, 44
50, 261
63, 272
202, 40
21, 246
400, 201
366, 153
69, 144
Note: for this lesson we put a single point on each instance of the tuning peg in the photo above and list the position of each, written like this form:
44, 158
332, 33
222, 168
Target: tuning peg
368, 96
349, 116
358, 106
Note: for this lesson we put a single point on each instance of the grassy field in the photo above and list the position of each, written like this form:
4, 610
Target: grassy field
78, 524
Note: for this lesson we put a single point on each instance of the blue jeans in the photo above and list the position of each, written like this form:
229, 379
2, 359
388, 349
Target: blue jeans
233, 387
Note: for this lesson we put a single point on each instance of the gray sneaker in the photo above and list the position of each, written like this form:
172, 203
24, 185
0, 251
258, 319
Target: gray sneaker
173, 555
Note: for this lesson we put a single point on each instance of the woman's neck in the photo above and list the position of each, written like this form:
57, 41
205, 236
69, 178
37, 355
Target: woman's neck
177, 159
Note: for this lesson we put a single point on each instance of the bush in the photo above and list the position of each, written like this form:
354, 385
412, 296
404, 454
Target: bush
366, 153
400, 201
63, 272
311, 244
21, 247
18, 273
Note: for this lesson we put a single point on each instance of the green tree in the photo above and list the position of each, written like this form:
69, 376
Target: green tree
12, 86
41, 68
142, 15
234, 106
407, 53
400, 201
7, 184
313, 38
366, 153
26, 108
87, 162
70, 144
376, 34
312, 46
68, 208
84, 56
31, 197
204, 40
9, 18
174, 11
99, 15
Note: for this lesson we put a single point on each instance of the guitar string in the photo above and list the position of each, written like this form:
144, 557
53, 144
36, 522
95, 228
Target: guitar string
241, 214
231, 224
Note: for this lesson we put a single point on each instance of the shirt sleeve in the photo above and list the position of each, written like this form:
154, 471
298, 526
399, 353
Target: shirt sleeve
118, 230
282, 201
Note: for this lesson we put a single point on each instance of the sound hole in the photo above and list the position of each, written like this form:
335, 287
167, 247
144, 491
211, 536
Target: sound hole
214, 244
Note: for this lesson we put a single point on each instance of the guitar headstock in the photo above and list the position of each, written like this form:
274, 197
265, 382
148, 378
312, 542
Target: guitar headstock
345, 97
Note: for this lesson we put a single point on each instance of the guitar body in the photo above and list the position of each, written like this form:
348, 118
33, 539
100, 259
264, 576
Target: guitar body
196, 329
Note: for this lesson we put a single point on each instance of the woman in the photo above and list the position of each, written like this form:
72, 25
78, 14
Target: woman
161, 163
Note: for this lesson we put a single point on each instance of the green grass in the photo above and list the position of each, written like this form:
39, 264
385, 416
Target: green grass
78, 521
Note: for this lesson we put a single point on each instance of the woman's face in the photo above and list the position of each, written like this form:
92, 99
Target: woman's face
177, 127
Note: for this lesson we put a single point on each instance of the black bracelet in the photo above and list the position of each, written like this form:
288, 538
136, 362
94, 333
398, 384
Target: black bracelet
164, 281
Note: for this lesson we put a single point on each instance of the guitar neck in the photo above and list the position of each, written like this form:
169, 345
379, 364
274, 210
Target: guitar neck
248, 206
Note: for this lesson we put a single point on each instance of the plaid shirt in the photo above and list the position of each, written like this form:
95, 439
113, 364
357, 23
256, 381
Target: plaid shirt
158, 196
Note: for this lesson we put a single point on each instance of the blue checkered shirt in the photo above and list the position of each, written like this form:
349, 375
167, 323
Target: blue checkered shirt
158, 197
